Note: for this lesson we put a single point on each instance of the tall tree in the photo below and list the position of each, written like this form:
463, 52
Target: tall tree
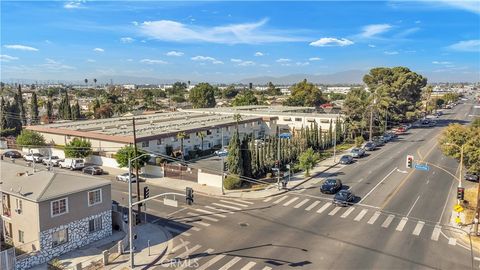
95, 83
202, 96
21, 106
76, 114
128, 152
305, 94
234, 158
49, 110
308, 160
34, 109
78, 148
246, 97
202, 136
29, 138
86, 82
181, 136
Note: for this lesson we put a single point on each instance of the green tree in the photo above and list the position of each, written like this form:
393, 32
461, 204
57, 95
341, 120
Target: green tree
246, 97
202, 96
305, 94
272, 90
202, 135
50, 110
476, 122
23, 113
230, 92
76, 114
78, 148
64, 109
34, 109
234, 158
181, 136
354, 108
128, 152
30, 139
308, 160
456, 136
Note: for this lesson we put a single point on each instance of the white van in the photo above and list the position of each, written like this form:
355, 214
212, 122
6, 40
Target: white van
72, 163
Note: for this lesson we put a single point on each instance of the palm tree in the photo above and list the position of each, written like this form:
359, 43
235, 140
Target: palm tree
202, 135
181, 136
95, 82
86, 82
237, 117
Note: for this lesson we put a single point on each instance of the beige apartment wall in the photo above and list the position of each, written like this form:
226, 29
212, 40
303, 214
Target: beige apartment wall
97, 145
77, 209
26, 220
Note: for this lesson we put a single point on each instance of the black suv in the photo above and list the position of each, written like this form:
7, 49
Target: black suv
331, 186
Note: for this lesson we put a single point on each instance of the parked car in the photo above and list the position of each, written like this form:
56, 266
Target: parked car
124, 177
12, 154
369, 146
346, 159
331, 186
93, 170
472, 176
221, 152
387, 137
357, 152
72, 163
378, 141
399, 130
37, 157
344, 198
55, 160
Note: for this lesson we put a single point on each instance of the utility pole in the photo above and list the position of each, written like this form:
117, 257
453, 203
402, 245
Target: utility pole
130, 214
223, 164
139, 207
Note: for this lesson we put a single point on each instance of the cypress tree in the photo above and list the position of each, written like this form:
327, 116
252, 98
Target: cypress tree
50, 110
21, 107
330, 134
15, 122
234, 159
246, 157
34, 109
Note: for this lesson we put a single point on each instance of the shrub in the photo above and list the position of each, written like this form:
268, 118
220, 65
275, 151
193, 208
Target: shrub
232, 182
359, 141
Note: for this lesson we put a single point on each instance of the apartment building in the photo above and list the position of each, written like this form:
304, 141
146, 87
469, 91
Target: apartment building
46, 214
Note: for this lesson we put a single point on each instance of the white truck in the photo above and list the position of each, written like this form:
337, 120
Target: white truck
72, 164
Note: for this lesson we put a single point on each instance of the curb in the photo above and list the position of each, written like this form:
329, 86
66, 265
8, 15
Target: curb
162, 254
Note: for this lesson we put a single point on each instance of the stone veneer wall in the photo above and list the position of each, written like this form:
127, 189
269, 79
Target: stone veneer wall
78, 236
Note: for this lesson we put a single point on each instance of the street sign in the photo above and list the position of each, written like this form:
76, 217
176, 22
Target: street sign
458, 208
422, 167
170, 202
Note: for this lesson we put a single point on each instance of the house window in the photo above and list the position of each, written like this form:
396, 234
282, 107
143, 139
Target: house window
59, 237
94, 197
19, 206
159, 141
95, 224
21, 236
145, 144
59, 207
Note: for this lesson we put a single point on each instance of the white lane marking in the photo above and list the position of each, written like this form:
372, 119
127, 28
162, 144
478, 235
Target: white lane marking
334, 211
301, 203
242, 201
411, 208
452, 241
249, 266
203, 217
177, 247
219, 209
230, 263
227, 206
211, 262
281, 199
401, 225
446, 202
325, 206
436, 233
301, 190
177, 231
268, 199
291, 201
210, 213
350, 210
387, 221
178, 224
201, 223
364, 197
266, 268
360, 215
311, 206
374, 217
234, 203
189, 251
418, 228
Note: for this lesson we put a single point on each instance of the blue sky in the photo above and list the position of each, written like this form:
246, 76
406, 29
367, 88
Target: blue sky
229, 41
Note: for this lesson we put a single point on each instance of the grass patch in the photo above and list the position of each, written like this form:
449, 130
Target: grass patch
470, 204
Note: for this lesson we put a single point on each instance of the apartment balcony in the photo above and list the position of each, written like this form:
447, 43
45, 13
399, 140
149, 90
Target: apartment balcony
6, 211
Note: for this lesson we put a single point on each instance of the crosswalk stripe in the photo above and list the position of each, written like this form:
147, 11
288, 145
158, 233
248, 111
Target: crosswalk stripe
281, 199
211, 262
177, 231
230, 263
208, 212
177, 247
301, 203
201, 223
268, 199
189, 251
291, 201
374, 217
348, 212
334, 211
360, 215
248, 266
235, 203
325, 206
418, 228
452, 241
184, 266
302, 189
266, 268
203, 217
242, 201
311, 206
178, 224
401, 224
387, 221
219, 209
436, 233
227, 206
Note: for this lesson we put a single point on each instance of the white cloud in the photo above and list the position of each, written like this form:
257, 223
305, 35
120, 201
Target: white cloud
374, 29
243, 33
91, 61
441, 62
20, 47
7, 58
466, 46
236, 60
259, 54
135, 23
152, 61
471, 6
283, 60
217, 62
74, 5
371, 46
174, 53
302, 63
328, 41
127, 40
390, 52
54, 65
265, 65
98, 50
246, 63
417, 22
200, 58
315, 59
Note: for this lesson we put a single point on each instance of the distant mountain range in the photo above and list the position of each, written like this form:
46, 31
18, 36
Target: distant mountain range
344, 77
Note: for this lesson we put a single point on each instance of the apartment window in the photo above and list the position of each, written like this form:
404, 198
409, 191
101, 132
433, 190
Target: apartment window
209, 132
145, 144
95, 224
59, 237
21, 236
298, 119
324, 121
59, 207
94, 197
19, 206
159, 141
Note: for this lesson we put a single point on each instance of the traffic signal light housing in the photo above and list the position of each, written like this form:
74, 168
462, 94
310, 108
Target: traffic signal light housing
189, 195
460, 193
409, 161
146, 192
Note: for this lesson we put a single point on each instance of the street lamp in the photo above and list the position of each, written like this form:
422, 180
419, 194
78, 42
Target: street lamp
130, 210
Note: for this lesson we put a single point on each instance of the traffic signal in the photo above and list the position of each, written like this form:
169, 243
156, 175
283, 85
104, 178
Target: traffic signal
409, 161
146, 192
189, 195
460, 193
